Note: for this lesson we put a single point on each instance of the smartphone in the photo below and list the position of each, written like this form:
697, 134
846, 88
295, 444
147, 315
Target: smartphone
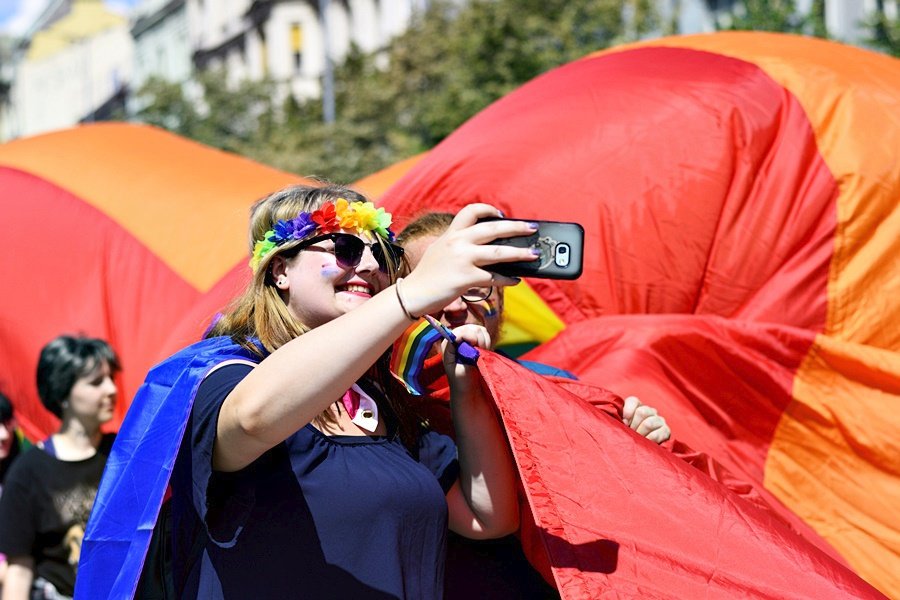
562, 250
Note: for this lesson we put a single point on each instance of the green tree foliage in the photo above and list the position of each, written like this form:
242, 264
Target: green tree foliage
816, 19
776, 15
884, 31
230, 119
452, 62
783, 16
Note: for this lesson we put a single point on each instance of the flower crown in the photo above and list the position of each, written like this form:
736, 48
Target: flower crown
331, 217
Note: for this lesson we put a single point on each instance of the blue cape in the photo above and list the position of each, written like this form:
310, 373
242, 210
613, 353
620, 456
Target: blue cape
139, 467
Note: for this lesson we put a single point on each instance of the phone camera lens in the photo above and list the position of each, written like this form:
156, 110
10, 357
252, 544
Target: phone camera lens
562, 255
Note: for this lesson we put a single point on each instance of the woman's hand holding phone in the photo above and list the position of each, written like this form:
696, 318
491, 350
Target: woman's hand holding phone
456, 261
561, 247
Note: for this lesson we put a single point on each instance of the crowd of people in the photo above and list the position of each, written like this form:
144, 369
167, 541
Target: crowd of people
304, 469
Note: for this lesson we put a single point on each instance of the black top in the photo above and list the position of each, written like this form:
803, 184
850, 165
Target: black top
44, 509
315, 517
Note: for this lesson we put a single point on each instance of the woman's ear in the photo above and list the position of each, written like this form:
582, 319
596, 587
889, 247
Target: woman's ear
278, 268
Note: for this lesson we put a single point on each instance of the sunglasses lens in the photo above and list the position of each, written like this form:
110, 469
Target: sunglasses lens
385, 265
348, 250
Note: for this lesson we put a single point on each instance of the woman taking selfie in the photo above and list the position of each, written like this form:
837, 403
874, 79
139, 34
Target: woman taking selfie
303, 473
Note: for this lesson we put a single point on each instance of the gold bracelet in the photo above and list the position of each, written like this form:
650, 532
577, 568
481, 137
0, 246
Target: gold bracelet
402, 303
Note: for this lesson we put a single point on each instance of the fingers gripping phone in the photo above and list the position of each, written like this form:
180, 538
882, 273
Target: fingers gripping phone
562, 250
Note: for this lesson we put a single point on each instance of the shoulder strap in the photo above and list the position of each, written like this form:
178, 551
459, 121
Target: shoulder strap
233, 361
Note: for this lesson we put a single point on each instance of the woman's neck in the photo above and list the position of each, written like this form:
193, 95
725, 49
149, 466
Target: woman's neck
76, 441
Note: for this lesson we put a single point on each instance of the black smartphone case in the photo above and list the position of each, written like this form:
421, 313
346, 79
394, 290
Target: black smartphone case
562, 251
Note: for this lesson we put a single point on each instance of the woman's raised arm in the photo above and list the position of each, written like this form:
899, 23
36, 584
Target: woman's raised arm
303, 377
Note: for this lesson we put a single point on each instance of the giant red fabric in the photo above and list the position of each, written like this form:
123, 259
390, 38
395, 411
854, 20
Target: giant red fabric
74, 270
740, 258
610, 516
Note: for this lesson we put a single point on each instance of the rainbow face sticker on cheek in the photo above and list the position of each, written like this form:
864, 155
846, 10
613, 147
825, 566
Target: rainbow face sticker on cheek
488, 306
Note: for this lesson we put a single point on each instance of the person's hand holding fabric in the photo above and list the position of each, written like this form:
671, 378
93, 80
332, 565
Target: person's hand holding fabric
645, 421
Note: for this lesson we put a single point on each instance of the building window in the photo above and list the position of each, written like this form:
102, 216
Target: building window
297, 46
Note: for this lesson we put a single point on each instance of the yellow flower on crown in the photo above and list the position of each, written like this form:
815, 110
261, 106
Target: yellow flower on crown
361, 216
366, 216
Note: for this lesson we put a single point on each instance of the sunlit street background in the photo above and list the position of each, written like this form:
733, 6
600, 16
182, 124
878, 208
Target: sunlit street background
339, 89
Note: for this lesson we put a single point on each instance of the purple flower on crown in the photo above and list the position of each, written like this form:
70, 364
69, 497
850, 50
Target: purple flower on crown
293, 229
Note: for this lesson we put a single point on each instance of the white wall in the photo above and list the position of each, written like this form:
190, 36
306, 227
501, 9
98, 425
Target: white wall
365, 25
61, 89
214, 21
163, 51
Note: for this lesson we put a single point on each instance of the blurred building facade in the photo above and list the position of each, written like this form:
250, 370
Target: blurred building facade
160, 32
79, 61
73, 66
843, 18
78, 56
7, 45
287, 41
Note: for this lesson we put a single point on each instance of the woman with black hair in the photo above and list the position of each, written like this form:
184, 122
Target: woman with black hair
49, 491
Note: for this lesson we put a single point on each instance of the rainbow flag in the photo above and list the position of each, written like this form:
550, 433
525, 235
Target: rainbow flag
409, 353
24, 442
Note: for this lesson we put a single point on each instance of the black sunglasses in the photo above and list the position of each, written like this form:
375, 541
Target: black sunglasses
348, 251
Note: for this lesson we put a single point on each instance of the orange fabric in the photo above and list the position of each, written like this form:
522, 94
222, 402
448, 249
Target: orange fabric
833, 458
186, 202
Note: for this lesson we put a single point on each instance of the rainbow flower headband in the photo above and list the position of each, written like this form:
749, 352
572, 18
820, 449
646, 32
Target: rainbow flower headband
333, 216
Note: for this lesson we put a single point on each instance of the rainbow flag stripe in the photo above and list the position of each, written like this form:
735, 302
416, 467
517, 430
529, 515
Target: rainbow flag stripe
409, 353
